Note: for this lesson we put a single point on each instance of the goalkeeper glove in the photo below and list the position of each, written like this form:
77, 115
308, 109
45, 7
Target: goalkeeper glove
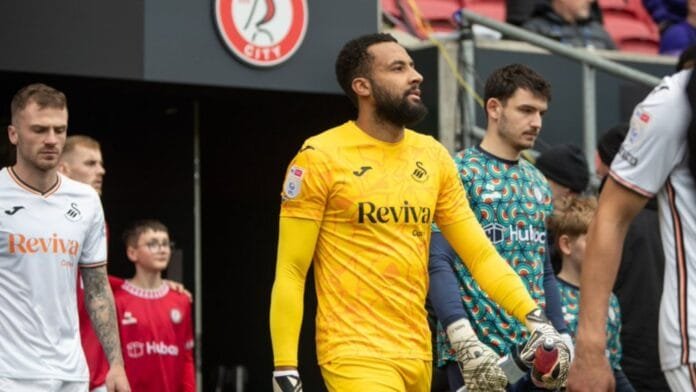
477, 362
543, 333
568, 340
286, 381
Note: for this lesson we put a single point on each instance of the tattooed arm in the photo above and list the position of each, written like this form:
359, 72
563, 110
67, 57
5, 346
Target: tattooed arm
99, 301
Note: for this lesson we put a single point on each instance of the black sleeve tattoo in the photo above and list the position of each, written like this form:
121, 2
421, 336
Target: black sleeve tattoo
99, 301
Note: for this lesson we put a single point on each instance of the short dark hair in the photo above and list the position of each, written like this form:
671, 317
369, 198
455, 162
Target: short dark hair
354, 60
687, 58
44, 96
503, 83
132, 234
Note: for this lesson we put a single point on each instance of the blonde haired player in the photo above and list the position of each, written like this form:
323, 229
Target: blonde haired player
82, 161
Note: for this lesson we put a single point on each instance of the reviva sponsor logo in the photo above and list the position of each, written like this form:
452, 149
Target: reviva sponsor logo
20, 244
368, 211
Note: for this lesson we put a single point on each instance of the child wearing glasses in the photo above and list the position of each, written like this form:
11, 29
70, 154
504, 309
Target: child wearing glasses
154, 321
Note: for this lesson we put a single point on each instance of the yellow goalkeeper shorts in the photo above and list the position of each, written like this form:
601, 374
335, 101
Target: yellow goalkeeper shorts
351, 374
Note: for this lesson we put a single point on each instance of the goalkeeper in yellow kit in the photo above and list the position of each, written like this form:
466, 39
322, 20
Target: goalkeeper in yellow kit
359, 200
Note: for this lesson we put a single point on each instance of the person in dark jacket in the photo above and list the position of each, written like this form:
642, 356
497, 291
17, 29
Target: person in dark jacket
519, 11
570, 22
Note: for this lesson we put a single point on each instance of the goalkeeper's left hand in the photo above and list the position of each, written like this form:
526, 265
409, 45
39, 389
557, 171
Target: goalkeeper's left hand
542, 331
287, 381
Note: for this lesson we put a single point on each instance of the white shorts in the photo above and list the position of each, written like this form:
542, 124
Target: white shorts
682, 379
99, 389
21, 385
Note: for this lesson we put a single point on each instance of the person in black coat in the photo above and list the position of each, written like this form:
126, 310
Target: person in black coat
519, 11
569, 22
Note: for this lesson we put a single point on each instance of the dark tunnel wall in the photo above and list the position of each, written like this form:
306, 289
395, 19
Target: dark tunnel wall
248, 140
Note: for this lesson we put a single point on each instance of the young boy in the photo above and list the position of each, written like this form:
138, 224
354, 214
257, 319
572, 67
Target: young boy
154, 321
570, 221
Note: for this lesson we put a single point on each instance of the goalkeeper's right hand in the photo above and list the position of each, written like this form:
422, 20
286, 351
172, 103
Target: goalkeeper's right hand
286, 381
477, 362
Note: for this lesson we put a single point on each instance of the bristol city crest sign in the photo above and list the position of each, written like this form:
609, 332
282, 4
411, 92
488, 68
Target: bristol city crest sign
263, 33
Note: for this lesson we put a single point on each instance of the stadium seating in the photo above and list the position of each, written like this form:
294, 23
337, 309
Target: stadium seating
626, 21
494, 9
630, 26
439, 13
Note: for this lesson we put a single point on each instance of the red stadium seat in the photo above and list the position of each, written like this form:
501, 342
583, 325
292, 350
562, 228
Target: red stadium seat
439, 13
631, 34
390, 7
494, 9
632, 6
630, 26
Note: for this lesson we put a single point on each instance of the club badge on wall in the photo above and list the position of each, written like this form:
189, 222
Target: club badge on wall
262, 33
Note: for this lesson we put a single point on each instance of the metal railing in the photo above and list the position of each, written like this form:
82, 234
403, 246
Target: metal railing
590, 63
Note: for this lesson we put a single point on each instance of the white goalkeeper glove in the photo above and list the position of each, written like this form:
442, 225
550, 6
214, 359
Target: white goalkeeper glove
542, 332
568, 340
477, 362
286, 381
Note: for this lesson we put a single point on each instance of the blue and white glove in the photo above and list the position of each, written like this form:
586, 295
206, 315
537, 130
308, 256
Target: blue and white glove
286, 381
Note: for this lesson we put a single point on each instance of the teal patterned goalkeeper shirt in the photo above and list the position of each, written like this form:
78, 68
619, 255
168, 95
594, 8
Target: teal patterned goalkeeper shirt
512, 201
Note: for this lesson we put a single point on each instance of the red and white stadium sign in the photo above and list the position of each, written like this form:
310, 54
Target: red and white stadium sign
262, 32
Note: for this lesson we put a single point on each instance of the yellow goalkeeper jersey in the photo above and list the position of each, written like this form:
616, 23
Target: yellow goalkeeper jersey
375, 202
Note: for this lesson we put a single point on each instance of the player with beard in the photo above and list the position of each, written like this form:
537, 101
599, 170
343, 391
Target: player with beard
512, 201
358, 200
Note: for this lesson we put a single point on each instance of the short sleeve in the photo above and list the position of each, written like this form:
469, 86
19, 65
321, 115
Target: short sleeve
94, 248
307, 184
655, 143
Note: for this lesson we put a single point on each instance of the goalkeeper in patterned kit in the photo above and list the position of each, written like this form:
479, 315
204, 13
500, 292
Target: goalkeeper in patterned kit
358, 202
154, 321
512, 200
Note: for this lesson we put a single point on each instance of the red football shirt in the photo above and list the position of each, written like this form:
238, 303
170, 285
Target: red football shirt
156, 338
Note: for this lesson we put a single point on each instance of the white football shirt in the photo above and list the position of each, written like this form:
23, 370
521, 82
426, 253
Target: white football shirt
653, 161
44, 238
